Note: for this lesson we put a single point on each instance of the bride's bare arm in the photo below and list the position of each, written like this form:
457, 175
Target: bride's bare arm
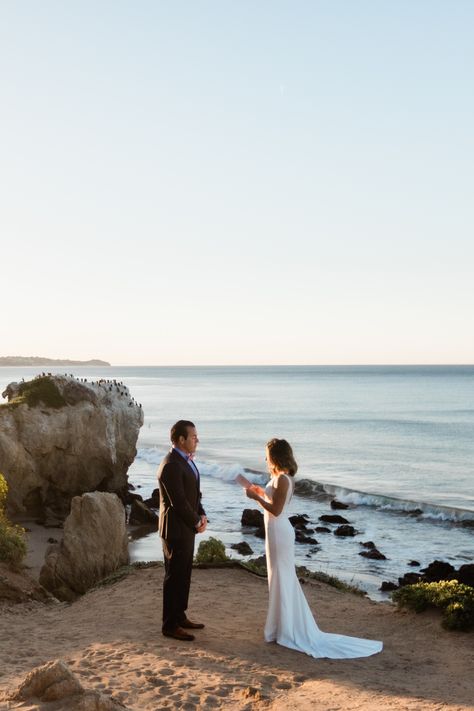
275, 506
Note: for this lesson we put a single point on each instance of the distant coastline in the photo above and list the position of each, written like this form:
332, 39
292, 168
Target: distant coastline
35, 360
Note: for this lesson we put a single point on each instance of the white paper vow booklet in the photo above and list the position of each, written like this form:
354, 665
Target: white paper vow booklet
243, 481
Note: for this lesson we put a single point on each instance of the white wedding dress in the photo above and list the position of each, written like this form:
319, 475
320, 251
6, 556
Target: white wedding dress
289, 620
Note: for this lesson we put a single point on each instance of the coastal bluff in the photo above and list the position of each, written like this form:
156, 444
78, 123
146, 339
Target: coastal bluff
14, 361
62, 436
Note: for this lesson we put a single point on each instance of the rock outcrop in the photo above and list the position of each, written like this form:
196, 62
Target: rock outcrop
16, 586
61, 437
55, 683
94, 544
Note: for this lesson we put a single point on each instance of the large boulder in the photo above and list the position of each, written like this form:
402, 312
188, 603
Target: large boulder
94, 544
61, 437
54, 683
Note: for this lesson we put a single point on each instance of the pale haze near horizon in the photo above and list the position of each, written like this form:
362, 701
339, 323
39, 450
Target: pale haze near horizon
237, 183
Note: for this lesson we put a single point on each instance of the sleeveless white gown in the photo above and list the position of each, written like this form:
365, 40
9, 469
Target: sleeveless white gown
289, 619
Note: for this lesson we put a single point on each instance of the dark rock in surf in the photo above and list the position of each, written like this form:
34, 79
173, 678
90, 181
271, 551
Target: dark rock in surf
129, 498
345, 531
387, 586
154, 500
322, 529
373, 554
252, 517
243, 548
140, 513
299, 520
335, 504
330, 518
438, 570
465, 574
303, 538
409, 579
414, 563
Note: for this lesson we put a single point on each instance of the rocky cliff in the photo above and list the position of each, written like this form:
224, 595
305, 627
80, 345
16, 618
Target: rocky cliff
61, 436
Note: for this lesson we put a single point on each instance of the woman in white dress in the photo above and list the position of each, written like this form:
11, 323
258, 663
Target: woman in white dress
289, 619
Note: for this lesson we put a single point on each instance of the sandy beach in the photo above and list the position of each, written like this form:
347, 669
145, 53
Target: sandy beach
111, 640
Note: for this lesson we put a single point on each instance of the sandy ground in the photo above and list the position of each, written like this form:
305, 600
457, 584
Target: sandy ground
111, 639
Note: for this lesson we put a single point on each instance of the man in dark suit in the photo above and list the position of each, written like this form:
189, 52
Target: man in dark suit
181, 517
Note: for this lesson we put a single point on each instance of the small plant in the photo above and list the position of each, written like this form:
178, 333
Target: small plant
211, 551
12, 538
455, 599
3, 492
255, 565
330, 580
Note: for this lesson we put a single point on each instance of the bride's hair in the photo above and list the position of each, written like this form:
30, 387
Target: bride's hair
281, 455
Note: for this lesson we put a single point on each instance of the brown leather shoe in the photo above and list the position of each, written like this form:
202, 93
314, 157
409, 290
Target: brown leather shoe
178, 633
188, 625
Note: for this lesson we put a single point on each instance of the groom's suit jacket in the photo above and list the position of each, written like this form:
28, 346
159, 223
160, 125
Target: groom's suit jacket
180, 503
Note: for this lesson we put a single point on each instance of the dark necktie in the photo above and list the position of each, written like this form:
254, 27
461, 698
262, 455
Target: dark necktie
190, 461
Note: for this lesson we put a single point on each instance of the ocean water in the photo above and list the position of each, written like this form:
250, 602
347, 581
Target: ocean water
395, 442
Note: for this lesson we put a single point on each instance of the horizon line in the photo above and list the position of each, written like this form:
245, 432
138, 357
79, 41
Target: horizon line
86, 364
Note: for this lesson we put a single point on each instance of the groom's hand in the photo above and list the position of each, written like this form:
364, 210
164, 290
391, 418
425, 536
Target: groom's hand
201, 526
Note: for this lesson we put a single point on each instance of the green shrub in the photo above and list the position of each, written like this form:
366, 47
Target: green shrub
42, 390
12, 538
12, 542
454, 599
211, 551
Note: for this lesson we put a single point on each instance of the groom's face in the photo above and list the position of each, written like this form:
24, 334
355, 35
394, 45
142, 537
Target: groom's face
191, 442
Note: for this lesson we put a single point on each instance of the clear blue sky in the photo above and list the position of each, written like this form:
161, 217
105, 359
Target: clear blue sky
237, 182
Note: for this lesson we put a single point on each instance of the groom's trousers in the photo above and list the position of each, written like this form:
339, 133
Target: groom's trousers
178, 558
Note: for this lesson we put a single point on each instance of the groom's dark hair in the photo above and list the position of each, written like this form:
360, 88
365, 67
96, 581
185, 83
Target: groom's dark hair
180, 429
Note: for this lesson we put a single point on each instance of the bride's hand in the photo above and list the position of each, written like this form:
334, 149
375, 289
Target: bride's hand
251, 492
